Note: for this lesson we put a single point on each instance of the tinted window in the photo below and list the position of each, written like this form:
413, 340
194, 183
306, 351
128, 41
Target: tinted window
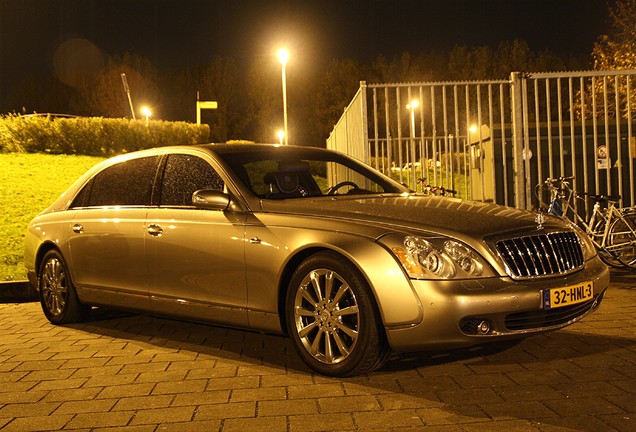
124, 184
81, 199
185, 174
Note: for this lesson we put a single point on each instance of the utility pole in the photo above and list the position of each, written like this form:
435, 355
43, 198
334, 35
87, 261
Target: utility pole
127, 90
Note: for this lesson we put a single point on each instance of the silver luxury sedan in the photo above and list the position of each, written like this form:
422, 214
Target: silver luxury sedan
307, 242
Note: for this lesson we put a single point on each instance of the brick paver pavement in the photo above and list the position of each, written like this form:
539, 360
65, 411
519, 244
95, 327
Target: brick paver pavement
123, 372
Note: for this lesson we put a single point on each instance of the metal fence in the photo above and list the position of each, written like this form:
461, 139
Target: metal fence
495, 140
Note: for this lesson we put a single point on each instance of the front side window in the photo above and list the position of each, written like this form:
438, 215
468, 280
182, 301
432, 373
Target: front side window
183, 175
284, 178
127, 183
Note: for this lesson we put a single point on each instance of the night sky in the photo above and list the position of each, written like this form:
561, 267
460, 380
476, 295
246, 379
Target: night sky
174, 33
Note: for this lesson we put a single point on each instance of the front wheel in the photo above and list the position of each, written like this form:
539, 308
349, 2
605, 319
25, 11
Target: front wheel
57, 293
332, 320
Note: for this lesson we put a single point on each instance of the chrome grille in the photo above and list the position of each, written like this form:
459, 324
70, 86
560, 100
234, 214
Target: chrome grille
542, 254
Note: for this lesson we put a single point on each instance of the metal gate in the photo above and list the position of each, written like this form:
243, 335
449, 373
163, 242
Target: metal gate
495, 140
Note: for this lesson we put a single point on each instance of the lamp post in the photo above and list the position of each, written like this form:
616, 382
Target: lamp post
146, 112
283, 56
411, 107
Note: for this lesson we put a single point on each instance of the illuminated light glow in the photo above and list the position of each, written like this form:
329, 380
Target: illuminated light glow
413, 105
283, 55
473, 128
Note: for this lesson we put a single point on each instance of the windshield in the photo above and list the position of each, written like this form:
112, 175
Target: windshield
285, 172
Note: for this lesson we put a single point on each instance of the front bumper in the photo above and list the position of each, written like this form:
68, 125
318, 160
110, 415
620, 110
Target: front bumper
453, 311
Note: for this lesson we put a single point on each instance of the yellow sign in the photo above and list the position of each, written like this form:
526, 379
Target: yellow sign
208, 104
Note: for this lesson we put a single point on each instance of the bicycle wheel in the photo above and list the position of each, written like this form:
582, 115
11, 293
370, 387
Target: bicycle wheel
607, 256
622, 239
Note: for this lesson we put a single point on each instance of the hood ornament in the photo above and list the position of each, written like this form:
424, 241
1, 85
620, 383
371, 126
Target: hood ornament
540, 220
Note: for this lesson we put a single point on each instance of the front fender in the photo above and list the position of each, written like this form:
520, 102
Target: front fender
275, 255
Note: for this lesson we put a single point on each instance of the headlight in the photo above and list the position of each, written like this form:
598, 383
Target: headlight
439, 258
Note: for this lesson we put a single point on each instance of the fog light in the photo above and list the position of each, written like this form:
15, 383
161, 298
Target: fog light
484, 327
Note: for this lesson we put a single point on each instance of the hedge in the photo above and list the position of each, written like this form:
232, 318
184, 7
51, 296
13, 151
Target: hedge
93, 136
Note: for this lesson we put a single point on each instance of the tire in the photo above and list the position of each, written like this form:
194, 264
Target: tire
332, 318
623, 239
57, 293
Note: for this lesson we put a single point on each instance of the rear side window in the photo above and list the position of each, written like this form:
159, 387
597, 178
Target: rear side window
127, 183
185, 174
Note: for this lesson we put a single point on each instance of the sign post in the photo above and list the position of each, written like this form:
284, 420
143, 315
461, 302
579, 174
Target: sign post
204, 105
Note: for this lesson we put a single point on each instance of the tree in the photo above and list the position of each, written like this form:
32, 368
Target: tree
337, 87
106, 96
616, 51
219, 81
264, 108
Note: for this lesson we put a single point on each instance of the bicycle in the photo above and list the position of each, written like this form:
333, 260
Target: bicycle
428, 189
611, 229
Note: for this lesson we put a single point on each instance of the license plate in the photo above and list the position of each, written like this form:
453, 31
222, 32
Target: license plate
566, 296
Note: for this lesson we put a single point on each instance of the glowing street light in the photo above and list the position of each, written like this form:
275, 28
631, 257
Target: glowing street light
411, 107
283, 56
146, 112
281, 135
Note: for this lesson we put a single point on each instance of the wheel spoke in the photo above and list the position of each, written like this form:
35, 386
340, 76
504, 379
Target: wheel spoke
353, 334
340, 344
315, 283
315, 345
328, 350
305, 330
351, 310
341, 292
300, 311
305, 294
328, 285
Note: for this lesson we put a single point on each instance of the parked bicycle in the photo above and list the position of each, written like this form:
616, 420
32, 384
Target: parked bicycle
611, 229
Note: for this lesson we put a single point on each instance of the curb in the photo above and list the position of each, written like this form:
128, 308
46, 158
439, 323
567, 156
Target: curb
17, 292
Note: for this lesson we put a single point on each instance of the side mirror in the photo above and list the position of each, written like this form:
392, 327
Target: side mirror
210, 199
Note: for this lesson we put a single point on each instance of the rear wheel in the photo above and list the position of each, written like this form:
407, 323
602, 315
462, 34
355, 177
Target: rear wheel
57, 293
623, 239
332, 319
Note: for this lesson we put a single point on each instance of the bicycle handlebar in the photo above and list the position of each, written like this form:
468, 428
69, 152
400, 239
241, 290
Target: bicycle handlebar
554, 181
600, 198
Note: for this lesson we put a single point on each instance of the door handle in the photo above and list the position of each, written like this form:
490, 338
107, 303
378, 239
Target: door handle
155, 230
78, 228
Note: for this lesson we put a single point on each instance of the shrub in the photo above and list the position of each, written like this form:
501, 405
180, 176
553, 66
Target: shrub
93, 136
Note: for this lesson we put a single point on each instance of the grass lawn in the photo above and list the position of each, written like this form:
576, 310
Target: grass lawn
29, 183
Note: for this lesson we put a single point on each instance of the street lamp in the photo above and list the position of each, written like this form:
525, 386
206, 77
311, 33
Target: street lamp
281, 135
283, 56
146, 112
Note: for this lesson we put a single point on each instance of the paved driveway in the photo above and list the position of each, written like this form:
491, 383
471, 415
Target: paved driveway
123, 372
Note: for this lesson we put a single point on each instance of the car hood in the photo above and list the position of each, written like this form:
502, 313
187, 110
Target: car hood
423, 212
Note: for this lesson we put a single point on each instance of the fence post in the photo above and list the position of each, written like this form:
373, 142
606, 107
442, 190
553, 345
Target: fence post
365, 122
517, 140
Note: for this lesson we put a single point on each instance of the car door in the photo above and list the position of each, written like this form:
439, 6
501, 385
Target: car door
195, 256
108, 234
